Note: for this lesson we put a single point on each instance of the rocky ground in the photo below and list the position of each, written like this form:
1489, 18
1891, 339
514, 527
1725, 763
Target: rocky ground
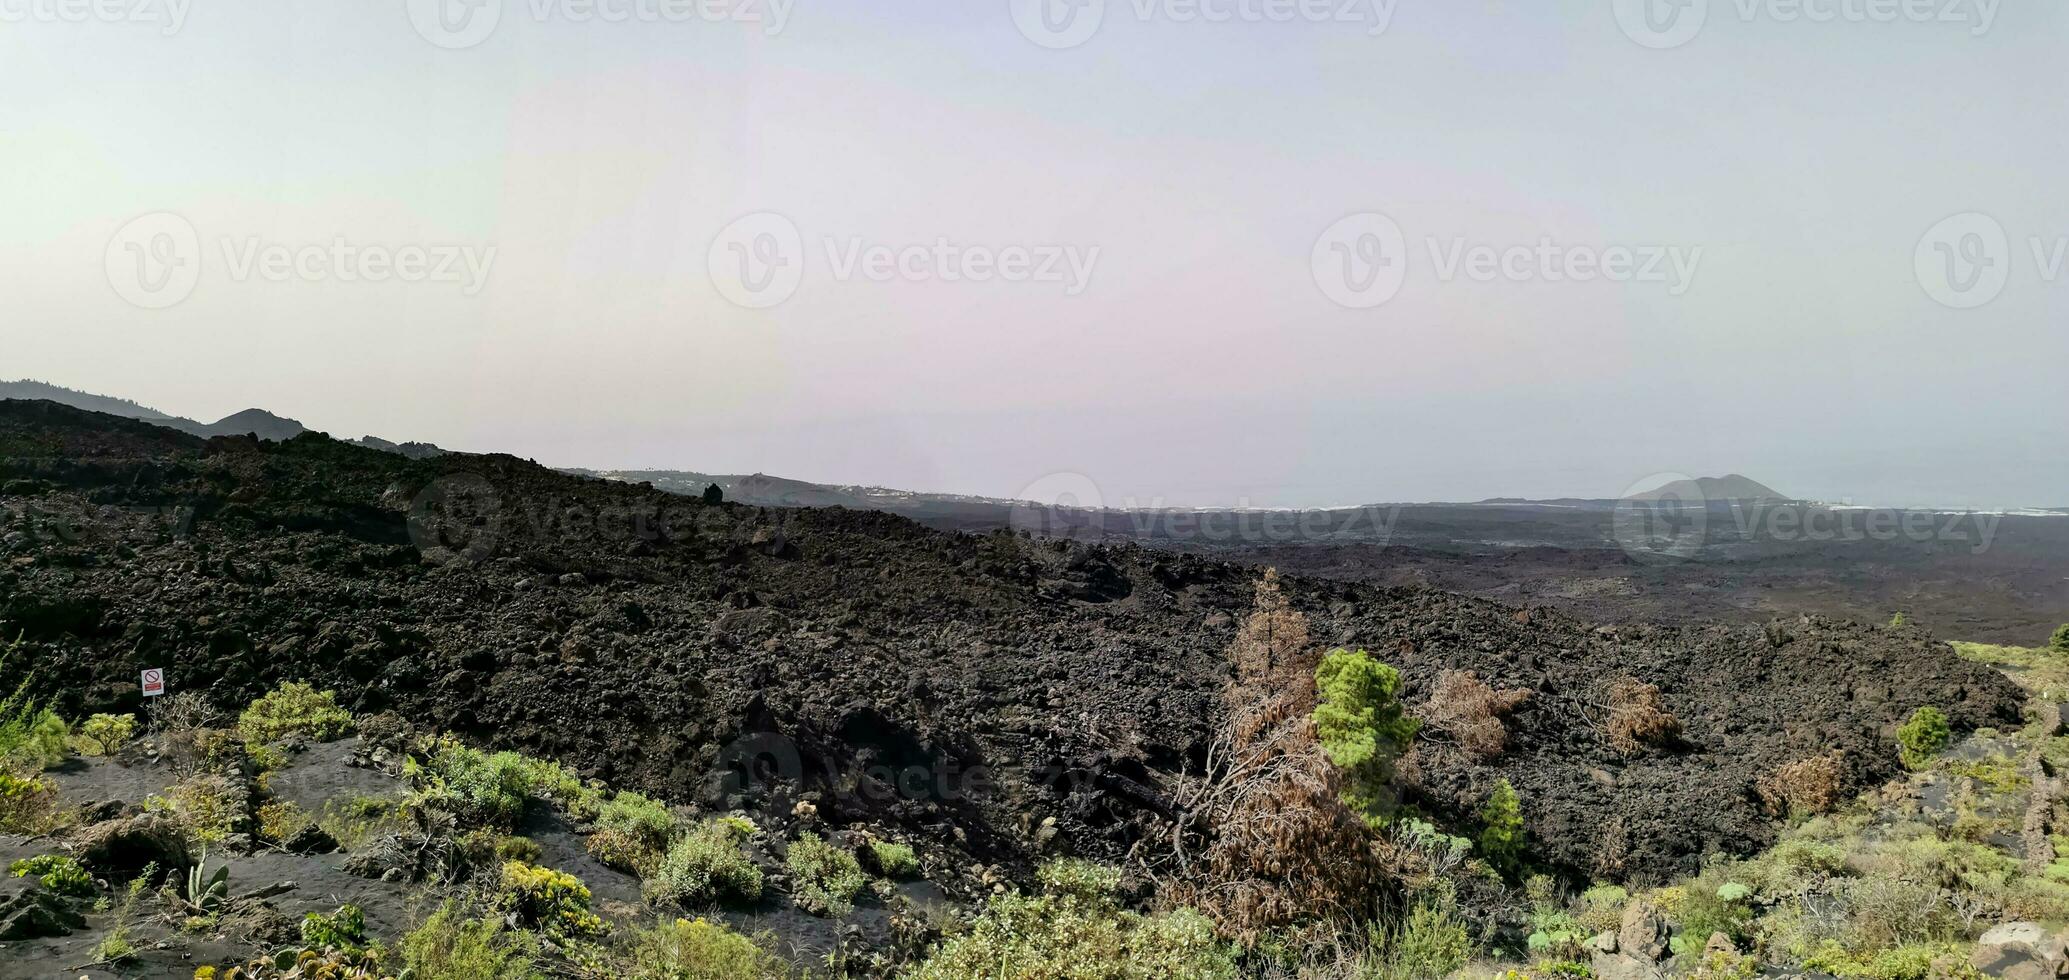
1004, 696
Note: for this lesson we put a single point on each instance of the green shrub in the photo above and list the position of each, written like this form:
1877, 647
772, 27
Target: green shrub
1922, 738
1083, 881
106, 734
1432, 944
479, 788
295, 710
343, 929
698, 950
704, 866
31, 737
1602, 908
57, 873
491, 789
207, 808
1502, 836
551, 782
1899, 621
27, 802
624, 851
354, 820
894, 861
488, 846
1554, 932
281, 820
1082, 935
2060, 642
1361, 725
1710, 905
553, 902
636, 815
824, 879
451, 946
1913, 962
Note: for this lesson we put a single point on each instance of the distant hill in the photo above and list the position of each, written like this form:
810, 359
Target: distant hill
1733, 487
38, 391
250, 422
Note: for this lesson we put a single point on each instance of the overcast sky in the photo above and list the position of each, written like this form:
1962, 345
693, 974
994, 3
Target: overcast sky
1302, 253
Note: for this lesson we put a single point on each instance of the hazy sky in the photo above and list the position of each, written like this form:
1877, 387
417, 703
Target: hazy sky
1171, 301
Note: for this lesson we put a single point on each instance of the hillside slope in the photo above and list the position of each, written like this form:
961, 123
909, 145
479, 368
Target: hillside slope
968, 687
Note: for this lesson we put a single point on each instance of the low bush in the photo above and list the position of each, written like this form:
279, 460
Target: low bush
28, 802
1712, 904
58, 873
295, 710
1921, 738
486, 789
1470, 713
1602, 909
625, 851
343, 929
894, 861
207, 808
638, 816
693, 949
1806, 787
450, 945
489, 847
704, 866
1432, 943
824, 879
2060, 642
551, 782
480, 788
105, 734
1079, 936
553, 902
352, 821
281, 820
1638, 718
31, 737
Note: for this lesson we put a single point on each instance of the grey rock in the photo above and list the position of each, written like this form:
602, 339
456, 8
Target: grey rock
33, 913
1644, 934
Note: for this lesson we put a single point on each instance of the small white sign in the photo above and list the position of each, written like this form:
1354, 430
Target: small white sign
154, 682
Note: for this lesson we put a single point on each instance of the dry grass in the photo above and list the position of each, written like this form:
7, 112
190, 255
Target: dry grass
1806, 787
1467, 711
1638, 717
